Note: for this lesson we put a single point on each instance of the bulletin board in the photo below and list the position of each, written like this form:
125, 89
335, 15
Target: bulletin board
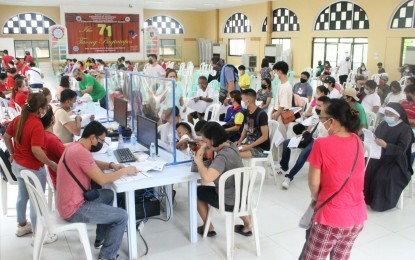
102, 33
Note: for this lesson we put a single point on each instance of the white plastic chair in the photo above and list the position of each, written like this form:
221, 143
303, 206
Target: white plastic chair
245, 179
51, 189
11, 180
49, 222
371, 120
18, 108
214, 108
12, 113
252, 162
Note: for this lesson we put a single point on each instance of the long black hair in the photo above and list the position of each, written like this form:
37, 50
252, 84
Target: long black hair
339, 109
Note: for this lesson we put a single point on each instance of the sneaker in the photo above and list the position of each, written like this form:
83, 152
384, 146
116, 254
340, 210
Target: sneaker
49, 239
118, 257
98, 243
286, 183
278, 169
24, 230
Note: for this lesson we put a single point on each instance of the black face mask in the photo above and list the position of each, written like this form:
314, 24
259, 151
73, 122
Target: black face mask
78, 79
409, 98
303, 80
150, 61
318, 111
96, 148
263, 86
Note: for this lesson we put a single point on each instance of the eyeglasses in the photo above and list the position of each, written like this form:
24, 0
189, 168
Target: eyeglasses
101, 141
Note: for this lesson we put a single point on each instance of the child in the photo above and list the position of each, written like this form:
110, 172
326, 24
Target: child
19, 93
184, 134
244, 80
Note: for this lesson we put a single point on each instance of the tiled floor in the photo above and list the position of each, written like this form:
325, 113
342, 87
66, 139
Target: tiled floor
388, 235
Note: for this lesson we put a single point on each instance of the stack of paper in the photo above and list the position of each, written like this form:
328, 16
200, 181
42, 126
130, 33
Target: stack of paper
149, 165
374, 150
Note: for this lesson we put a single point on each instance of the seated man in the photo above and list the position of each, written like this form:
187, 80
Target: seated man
322, 102
205, 95
302, 88
360, 87
371, 102
65, 128
77, 163
234, 117
255, 128
409, 104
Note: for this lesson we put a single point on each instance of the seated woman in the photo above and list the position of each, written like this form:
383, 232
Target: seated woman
320, 91
396, 95
387, 177
264, 94
234, 117
227, 158
19, 93
64, 84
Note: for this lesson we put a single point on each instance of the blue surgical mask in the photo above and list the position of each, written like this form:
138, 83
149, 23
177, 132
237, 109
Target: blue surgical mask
243, 105
73, 107
390, 120
366, 91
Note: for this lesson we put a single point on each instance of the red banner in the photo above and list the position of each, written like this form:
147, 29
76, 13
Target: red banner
102, 33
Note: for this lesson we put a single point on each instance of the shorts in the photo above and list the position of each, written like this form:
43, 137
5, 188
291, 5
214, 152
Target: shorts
258, 152
197, 115
209, 195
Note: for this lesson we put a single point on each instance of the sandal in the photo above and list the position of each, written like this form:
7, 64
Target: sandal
240, 230
201, 229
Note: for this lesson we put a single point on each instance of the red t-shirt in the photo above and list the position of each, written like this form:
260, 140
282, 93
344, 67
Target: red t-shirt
10, 82
54, 150
409, 109
20, 99
334, 156
29, 58
33, 135
69, 196
24, 70
6, 60
2, 89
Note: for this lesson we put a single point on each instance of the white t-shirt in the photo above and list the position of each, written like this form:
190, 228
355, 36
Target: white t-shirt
284, 96
391, 98
370, 101
208, 93
155, 71
335, 94
344, 67
34, 76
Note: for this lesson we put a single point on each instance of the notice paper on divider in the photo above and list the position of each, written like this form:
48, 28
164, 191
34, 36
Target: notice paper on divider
375, 149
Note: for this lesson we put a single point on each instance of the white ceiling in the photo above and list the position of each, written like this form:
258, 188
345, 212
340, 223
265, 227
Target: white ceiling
189, 5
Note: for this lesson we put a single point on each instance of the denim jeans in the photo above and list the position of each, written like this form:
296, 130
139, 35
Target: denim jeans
111, 222
302, 158
23, 195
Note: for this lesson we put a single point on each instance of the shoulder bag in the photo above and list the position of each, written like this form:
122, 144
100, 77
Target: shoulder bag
307, 137
307, 219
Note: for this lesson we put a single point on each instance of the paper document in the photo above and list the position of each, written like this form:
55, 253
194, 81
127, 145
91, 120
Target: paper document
294, 141
221, 122
107, 145
199, 106
149, 165
130, 178
369, 142
86, 119
296, 109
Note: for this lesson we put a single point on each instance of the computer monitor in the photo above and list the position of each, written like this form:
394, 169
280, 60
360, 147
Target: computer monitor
147, 132
120, 111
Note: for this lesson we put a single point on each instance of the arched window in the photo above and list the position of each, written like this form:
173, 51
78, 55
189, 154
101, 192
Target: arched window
342, 16
284, 20
165, 24
28, 23
237, 23
404, 16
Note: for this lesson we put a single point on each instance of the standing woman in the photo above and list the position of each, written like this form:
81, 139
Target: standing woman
264, 94
266, 70
25, 139
337, 166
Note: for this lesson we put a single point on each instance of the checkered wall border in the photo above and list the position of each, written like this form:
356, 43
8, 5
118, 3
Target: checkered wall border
165, 24
237, 23
404, 16
342, 16
284, 20
28, 23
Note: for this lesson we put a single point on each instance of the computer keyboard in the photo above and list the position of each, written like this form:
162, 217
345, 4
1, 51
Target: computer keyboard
124, 155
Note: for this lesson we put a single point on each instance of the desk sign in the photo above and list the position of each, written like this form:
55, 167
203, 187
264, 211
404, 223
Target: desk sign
102, 33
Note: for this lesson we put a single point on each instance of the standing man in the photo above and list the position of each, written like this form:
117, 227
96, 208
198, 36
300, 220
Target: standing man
89, 84
302, 88
227, 76
6, 59
284, 97
343, 69
34, 76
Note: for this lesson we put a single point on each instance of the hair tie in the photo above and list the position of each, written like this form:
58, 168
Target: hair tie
27, 104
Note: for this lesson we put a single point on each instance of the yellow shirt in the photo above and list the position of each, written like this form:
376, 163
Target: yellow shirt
244, 81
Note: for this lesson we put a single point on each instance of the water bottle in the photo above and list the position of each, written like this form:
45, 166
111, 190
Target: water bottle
189, 152
120, 139
133, 141
153, 151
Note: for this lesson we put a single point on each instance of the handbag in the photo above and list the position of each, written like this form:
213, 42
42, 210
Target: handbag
307, 137
287, 116
89, 195
307, 218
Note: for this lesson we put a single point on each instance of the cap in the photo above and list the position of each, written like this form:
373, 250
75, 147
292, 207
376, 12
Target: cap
329, 80
384, 77
351, 92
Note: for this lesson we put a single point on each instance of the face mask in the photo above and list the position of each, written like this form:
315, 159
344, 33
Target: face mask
42, 115
79, 79
366, 91
409, 98
150, 61
303, 80
243, 105
390, 120
318, 111
363, 68
407, 70
328, 129
73, 107
263, 86
96, 148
